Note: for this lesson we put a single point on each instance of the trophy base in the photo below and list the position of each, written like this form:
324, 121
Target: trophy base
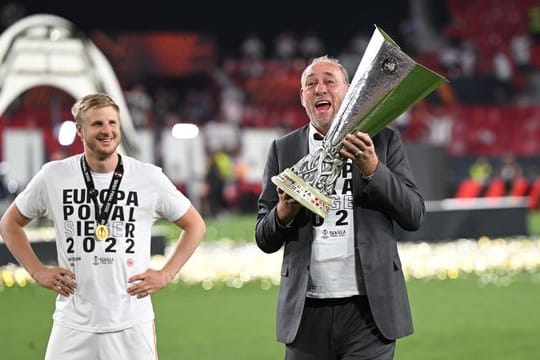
305, 194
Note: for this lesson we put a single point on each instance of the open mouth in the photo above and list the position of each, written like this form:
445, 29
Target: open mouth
322, 105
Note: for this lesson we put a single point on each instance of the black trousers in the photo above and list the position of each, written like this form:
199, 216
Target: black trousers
339, 329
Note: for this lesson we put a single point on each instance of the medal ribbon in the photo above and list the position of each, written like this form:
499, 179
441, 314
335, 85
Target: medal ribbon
103, 215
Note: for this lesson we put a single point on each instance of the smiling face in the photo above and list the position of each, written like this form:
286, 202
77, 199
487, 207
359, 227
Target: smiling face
99, 130
324, 85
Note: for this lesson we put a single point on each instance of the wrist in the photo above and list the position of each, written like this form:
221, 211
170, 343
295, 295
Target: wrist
366, 178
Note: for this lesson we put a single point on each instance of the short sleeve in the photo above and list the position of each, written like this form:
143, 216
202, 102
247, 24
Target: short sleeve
31, 202
172, 203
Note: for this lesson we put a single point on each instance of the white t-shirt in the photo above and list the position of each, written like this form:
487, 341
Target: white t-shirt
102, 268
333, 259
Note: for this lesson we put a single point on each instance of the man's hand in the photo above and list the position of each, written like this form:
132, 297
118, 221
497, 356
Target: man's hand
287, 207
57, 279
359, 147
148, 283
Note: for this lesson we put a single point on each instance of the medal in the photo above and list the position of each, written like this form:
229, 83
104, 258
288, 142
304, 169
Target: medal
102, 232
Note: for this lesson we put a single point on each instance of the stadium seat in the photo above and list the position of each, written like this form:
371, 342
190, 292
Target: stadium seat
468, 188
534, 195
520, 187
495, 188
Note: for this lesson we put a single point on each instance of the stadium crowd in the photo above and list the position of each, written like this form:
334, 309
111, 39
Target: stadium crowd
488, 109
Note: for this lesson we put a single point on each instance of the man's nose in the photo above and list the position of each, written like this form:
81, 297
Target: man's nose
320, 88
106, 128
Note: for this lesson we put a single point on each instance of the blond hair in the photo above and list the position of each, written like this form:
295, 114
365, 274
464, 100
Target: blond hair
91, 101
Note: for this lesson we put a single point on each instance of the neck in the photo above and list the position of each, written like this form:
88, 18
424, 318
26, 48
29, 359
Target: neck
102, 165
319, 130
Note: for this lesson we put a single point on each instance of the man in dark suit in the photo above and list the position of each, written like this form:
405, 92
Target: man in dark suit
342, 292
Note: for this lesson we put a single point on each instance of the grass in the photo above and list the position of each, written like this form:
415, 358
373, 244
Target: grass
237, 227
454, 319
533, 221
458, 319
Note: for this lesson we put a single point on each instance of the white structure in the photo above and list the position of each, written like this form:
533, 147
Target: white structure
48, 50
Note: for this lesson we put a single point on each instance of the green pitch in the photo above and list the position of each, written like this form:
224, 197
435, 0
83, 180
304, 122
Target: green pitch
454, 319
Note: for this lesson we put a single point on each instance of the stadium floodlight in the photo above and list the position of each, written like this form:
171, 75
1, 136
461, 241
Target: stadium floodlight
67, 133
185, 131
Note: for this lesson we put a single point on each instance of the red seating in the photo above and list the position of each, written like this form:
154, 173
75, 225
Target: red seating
520, 187
495, 188
534, 195
468, 188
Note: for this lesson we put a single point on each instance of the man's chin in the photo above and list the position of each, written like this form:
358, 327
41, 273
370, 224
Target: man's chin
103, 154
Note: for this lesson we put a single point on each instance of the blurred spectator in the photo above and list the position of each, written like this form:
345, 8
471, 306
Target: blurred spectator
197, 106
140, 105
502, 70
350, 56
481, 170
350, 61
286, 46
163, 104
311, 45
509, 170
440, 127
220, 171
449, 58
411, 33
253, 47
232, 104
520, 47
467, 58
220, 135
252, 55
534, 22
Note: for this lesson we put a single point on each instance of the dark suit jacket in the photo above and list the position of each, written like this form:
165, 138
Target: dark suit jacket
390, 197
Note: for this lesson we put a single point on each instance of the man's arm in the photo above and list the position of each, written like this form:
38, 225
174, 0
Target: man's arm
151, 280
194, 230
12, 231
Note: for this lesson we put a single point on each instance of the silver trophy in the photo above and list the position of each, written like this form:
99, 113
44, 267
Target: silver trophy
386, 83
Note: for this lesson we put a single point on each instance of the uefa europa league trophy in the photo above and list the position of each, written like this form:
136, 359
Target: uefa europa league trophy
386, 83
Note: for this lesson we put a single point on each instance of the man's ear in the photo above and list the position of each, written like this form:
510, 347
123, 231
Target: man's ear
79, 130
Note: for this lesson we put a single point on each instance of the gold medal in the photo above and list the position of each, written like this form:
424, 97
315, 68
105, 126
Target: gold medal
102, 232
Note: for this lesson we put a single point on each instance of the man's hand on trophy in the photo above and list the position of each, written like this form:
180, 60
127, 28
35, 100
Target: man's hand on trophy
359, 148
287, 207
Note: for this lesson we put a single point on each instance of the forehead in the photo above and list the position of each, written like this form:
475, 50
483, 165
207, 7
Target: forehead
102, 113
323, 68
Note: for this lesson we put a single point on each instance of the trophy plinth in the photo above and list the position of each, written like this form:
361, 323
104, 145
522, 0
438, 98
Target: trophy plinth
301, 191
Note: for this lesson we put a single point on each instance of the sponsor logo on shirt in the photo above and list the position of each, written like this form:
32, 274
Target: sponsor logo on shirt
333, 233
99, 260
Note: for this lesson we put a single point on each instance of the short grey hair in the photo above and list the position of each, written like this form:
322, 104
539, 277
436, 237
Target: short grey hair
325, 58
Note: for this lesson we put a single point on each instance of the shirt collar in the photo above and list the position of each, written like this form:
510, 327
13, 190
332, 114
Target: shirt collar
314, 134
